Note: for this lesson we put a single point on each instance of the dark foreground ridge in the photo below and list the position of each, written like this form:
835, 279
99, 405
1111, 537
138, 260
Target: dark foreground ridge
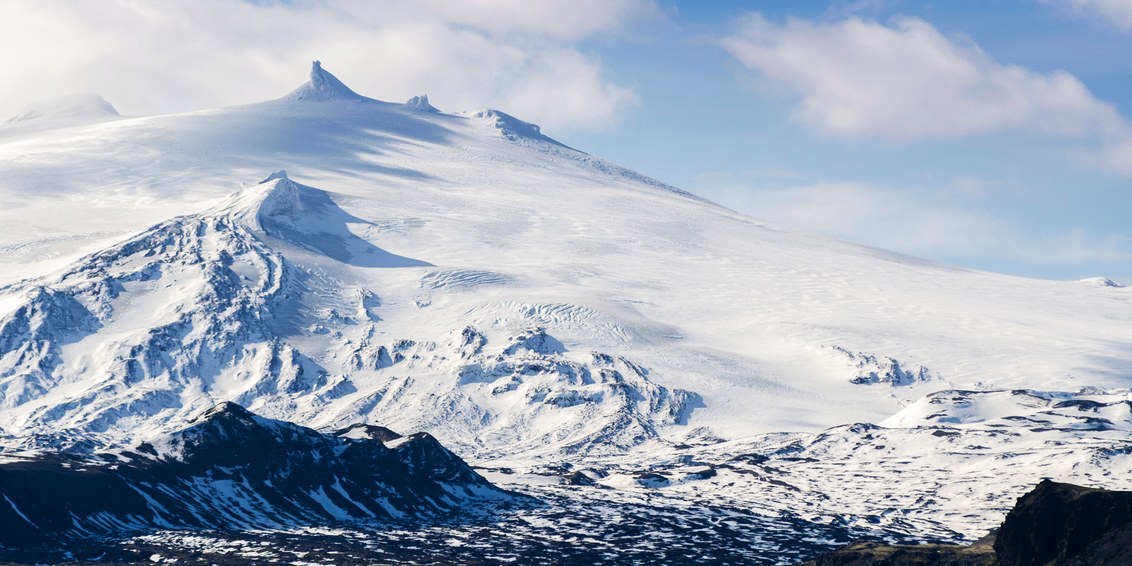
231, 470
1056, 523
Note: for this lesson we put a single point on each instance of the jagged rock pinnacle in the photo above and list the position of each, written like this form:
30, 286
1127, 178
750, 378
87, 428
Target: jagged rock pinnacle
322, 86
420, 102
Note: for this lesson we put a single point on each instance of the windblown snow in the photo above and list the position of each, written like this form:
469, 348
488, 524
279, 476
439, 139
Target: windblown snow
81, 107
526, 303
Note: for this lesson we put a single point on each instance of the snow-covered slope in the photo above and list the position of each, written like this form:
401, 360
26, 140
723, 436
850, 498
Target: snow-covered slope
465, 274
204, 308
947, 467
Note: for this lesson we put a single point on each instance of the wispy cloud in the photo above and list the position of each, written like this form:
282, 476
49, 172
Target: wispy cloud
1106, 13
165, 55
906, 80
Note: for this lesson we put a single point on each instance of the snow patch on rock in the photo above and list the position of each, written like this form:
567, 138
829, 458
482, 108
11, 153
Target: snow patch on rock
870, 369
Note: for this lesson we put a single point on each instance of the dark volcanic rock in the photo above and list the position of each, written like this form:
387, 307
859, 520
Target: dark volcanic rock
1064, 524
578, 478
1055, 524
231, 470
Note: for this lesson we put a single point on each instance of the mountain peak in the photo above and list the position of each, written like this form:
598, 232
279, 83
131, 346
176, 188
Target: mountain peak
285, 209
275, 196
281, 198
280, 174
322, 86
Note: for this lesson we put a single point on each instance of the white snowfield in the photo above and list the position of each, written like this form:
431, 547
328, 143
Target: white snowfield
462, 273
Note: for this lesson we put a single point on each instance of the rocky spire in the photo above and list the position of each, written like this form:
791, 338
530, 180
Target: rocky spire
322, 86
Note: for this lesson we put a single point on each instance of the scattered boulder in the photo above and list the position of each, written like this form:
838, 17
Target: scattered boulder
578, 478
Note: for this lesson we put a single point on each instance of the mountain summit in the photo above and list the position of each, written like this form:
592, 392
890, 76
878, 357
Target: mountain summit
323, 86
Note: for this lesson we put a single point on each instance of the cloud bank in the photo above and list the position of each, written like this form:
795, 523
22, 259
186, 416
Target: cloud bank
906, 80
164, 56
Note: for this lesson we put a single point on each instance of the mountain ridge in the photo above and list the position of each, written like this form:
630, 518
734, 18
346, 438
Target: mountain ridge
230, 469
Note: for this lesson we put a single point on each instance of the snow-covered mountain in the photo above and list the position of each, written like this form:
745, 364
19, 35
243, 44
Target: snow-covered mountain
204, 308
528, 304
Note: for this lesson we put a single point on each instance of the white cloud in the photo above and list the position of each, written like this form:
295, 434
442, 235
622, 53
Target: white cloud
164, 55
906, 80
560, 19
916, 223
1108, 13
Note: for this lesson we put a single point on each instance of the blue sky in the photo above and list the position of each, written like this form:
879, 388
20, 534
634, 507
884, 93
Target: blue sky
994, 134
1005, 199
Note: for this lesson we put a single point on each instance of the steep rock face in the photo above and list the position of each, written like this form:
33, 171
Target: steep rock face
233, 470
1059, 523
